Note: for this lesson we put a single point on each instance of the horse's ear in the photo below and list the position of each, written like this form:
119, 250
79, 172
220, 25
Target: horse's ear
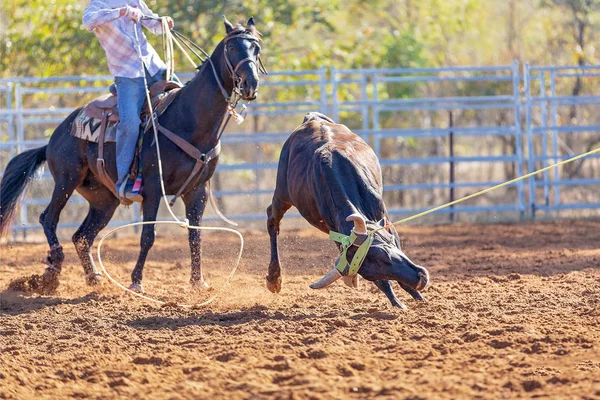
251, 27
228, 26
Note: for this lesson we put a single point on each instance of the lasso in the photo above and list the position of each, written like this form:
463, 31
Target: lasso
168, 47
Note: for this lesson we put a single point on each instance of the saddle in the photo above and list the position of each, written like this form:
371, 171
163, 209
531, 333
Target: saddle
105, 109
106, 105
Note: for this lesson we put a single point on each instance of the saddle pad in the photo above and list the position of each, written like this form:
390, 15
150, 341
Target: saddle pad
87, 128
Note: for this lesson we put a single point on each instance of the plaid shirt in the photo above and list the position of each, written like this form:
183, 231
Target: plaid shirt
116, 36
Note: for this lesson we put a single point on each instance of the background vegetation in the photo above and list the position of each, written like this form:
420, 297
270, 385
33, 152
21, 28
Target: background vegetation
46, 38
43, 38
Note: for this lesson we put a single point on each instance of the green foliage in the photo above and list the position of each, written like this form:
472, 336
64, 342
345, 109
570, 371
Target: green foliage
45, 38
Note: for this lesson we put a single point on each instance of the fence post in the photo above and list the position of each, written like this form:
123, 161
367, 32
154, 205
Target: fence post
11, 118
554, 112
531, 152
451, 147
518, 136
323, 90
544, 126
20, 148
334, 95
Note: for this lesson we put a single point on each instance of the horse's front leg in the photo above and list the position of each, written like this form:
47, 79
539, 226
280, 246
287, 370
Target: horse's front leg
150, 209
195, 203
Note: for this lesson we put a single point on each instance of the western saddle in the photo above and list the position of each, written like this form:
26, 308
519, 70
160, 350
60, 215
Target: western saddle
162, 95
105, 109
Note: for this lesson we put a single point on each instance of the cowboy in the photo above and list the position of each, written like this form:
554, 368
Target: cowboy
113, 22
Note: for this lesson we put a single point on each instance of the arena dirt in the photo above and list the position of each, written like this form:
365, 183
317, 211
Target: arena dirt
513, 312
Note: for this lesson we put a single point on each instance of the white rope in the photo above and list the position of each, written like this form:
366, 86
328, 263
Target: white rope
168, 48
142, 296
183, 224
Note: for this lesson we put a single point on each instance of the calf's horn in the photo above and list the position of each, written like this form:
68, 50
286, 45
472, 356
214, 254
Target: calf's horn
332, 276
360, 225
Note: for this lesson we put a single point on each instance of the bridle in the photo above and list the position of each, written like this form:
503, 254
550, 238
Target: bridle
236, 94
237, 80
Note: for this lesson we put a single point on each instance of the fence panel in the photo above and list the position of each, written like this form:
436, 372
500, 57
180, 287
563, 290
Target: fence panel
426, 126
562, 120
440, 133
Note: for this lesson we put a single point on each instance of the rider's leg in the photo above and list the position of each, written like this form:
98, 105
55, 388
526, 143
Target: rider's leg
130, 97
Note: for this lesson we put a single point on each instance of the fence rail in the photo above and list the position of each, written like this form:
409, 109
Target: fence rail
427, 126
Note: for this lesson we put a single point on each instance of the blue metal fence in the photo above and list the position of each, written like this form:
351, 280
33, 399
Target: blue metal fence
424, 125
374, 98
549, 135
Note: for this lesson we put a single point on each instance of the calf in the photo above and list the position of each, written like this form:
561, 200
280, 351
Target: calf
333, 178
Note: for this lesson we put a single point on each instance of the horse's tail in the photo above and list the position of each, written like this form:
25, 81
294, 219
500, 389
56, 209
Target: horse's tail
18, 174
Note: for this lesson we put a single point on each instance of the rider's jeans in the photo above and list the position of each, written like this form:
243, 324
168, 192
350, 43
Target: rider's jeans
130, 97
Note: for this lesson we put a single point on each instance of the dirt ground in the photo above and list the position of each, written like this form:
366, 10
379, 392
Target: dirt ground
513, 312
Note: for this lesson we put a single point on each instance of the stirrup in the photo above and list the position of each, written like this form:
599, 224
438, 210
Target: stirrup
126, 197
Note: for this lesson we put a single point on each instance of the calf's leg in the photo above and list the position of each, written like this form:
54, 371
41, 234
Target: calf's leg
275, 213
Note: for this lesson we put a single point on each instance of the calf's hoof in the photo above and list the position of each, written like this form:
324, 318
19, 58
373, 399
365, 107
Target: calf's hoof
49, 282
274, 285
136, 287
93, 279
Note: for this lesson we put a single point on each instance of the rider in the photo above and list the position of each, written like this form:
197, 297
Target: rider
113, 22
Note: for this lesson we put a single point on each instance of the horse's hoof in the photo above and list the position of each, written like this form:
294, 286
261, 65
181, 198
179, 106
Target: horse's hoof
136, 287
200, 285
400, 305
49, 282
93, 279
274, 286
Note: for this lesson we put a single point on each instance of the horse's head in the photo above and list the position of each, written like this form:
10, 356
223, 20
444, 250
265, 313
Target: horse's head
241, 50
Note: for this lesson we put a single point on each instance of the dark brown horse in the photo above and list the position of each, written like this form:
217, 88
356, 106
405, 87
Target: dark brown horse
195, 115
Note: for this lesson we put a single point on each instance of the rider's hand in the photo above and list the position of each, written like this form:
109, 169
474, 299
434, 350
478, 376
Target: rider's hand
170, 22
134, 13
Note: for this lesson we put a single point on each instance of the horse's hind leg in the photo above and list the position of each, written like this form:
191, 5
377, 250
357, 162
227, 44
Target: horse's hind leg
63, 189
102, 207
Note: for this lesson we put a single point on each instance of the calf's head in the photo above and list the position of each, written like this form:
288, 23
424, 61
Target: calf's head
384, 260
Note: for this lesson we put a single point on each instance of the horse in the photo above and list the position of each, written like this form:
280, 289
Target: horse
195, 115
